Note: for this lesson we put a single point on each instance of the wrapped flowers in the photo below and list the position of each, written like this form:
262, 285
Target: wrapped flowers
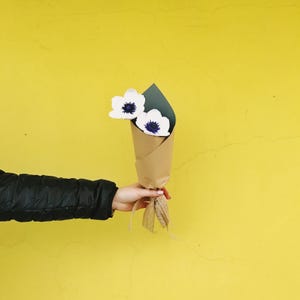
152, 125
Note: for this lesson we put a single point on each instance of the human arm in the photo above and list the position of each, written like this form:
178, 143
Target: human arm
45, 198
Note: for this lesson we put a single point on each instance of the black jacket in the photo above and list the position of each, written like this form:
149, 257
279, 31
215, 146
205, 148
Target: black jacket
45, 198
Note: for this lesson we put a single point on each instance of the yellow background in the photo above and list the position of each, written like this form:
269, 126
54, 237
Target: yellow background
231, 70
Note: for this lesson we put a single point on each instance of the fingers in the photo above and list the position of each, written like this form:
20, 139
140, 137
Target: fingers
150, 193
166, 193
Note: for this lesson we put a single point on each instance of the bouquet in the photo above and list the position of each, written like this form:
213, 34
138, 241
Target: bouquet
152, 122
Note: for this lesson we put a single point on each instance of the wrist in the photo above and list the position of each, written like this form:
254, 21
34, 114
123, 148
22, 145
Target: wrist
115, 201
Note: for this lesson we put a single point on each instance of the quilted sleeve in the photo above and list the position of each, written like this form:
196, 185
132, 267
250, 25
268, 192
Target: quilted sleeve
45, 198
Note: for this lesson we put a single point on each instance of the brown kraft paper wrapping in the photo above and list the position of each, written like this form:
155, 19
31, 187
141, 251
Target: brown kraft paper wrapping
153, 165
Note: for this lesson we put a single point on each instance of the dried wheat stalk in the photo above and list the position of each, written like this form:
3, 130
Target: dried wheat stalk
161, 210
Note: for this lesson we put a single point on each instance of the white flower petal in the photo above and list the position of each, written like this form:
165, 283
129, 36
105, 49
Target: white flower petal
127, 116
154, 114
131, 93
164, 126
163, 133
141, 120
119, 114
117, 102
140, 99
133, 96
115, 114
139, 110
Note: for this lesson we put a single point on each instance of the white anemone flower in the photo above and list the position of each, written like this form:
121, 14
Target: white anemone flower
153, 123
129, 106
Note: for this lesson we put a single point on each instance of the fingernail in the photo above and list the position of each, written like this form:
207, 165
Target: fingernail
160, 192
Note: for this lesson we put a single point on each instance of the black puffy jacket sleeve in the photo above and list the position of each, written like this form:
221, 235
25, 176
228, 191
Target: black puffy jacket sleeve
45, 198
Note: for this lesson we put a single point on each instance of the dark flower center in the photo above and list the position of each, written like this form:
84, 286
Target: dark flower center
129, 108
152, 126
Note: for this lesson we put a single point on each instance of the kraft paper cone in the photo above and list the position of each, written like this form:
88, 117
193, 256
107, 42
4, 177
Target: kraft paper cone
153, 158
153, 164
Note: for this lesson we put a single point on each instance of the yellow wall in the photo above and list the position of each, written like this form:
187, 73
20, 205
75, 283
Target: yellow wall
231, 70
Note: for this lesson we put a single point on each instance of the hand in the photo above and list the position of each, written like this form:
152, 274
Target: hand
126, 197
